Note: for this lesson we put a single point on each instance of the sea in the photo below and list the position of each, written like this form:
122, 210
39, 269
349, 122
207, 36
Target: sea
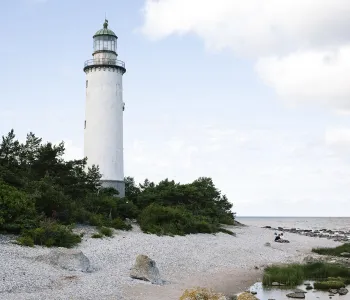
314, 223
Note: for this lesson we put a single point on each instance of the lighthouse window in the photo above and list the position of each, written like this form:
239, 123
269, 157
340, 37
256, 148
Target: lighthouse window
84, 124
87, 83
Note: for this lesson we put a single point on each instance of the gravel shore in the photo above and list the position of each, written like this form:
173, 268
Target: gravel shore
222, 262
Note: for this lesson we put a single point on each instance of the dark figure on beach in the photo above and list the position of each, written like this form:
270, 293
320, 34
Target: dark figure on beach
277, 238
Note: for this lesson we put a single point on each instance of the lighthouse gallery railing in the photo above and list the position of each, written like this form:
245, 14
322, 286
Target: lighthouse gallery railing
104, 62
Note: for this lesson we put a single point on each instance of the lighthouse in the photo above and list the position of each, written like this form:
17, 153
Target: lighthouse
103, 126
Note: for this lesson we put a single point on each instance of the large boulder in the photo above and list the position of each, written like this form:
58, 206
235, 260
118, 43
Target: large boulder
68, 259
343, 291
296, 295
145, 269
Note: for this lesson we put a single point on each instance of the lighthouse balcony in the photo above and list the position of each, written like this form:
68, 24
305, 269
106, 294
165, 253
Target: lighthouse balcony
104, 62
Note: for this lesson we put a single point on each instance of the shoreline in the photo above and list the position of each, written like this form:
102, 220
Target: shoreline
222, 262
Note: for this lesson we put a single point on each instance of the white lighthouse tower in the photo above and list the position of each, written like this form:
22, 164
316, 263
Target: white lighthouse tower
103, 134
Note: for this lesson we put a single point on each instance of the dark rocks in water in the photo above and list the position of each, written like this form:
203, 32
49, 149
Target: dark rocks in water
333, 291
296, 295
280, 228
268, 227
343, 291
309, 287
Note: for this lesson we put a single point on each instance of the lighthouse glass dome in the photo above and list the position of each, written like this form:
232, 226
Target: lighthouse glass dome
105, 42
105, 39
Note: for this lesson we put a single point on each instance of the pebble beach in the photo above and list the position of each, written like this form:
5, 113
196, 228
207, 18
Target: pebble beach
225, 263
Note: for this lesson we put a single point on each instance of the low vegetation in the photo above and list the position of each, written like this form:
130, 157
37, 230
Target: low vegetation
295, 274
200, 293
337, 251
106, 231
97, 236
42, 195
326, 285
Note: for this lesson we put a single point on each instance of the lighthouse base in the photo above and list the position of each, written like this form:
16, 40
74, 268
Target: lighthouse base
116, 184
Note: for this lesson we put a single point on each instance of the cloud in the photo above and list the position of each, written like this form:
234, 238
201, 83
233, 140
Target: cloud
301, 48
314, 77
337, 136
252, 26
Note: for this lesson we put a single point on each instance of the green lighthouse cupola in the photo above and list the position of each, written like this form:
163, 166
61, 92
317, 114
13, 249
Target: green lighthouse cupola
105, 40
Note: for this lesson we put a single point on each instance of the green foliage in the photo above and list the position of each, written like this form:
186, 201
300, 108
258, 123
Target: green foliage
345, 248
326, 285
120, 224
295, 274
164, 220
25, 241
17, 209
97, 236
106, 231
36, 184
52, 234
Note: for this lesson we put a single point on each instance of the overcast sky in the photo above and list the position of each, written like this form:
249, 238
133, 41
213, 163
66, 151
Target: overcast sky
255, 94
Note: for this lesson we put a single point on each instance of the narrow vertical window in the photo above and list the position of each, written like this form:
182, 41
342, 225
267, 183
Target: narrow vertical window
84, 124
87, 83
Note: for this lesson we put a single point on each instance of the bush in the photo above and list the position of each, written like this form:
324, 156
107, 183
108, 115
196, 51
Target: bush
326, 285
106, 231
97, 236
26, 241
97, 220
120, 224
125, 209
295, 274
333, 251
162, 220
17, 209
52, 234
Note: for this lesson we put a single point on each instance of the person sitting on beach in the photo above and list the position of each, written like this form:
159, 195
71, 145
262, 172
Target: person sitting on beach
277, 238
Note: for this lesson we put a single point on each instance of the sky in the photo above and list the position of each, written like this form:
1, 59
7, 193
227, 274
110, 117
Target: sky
254, 94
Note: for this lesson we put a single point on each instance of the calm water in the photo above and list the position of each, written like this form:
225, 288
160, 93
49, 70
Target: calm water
280, 294
298, 222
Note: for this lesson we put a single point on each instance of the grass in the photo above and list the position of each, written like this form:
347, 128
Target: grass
333, 251
106, 231
326, 285
97, 236
295, 274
